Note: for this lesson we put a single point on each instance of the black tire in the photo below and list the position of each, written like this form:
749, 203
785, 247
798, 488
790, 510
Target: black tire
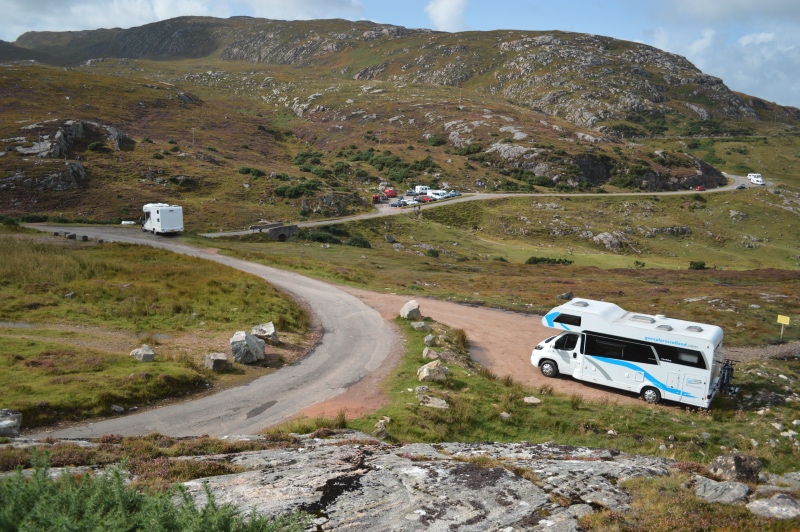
651, 395
549, 368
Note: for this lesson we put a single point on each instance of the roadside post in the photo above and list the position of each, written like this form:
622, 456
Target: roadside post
784, 321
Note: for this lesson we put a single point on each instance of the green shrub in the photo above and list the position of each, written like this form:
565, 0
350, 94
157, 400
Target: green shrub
321, 236
432, 253
175, 149
436, 140
548, 260
157, 155
96, 146
306, 188
147, 140
697, 265
358, 242
699, 197
10, 222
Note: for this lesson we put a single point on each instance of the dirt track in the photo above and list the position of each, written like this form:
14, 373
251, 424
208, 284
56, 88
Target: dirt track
499, 340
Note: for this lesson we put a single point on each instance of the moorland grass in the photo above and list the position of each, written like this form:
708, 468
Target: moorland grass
130, 287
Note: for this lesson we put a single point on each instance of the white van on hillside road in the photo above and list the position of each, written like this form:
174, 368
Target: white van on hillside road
756, 179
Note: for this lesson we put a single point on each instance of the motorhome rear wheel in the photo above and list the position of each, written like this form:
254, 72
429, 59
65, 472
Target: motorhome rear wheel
651, 395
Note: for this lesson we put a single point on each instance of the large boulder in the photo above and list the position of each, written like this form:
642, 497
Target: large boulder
433, 371
736, 467
144, 353
267, 332
410, 311
779, 506
246, 348
217, 362
10, 422
720, 492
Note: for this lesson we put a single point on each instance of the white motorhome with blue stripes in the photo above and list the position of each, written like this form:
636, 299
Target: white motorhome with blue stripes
654, 356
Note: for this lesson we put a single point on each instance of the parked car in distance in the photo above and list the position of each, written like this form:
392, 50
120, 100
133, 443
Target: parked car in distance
424, 199
412, 202
398, 203
741, 187
700, 188
454, 193
411, 192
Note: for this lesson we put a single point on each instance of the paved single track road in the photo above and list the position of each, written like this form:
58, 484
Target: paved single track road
354, 342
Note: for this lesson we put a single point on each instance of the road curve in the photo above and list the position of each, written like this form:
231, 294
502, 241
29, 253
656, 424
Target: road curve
384, 210
355, 341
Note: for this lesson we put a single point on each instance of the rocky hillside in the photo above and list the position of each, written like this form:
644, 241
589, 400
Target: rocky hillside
309, 118
590, 80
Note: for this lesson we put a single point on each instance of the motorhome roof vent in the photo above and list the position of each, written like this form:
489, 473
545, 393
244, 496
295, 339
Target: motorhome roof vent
642, 318
694, 328
660, 317
581, 304
664, 327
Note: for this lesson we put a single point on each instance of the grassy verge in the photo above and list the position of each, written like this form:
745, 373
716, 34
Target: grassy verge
667, 503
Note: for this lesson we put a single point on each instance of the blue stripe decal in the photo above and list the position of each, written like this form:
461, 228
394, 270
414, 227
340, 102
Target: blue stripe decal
657, 383
550, 317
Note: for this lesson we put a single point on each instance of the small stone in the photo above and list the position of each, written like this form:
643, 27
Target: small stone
118, 409
69, 295
429, 353
421, 326
505, 416
430, 340
531, 400
144, 353
612, 432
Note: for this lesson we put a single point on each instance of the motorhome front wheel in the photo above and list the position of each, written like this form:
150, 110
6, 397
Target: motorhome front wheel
549, 368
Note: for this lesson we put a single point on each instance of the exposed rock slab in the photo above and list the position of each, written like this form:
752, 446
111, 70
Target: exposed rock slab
372, 486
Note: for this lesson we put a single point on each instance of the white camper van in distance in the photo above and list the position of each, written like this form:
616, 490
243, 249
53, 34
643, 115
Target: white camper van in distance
653, 356
162, 218
756, 179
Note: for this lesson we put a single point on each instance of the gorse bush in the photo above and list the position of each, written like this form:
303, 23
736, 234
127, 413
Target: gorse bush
105, 502
358, 242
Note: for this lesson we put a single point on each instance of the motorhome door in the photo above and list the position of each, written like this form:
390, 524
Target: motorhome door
567, 346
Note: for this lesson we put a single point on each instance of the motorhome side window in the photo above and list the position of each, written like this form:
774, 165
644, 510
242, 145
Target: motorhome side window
568, 319
684, 357
640, 353
568, 341
620, 349
602, 347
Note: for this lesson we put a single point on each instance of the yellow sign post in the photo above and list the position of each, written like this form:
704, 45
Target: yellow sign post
784, 321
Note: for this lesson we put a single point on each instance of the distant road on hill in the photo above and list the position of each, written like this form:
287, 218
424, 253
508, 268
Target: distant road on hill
385, 210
